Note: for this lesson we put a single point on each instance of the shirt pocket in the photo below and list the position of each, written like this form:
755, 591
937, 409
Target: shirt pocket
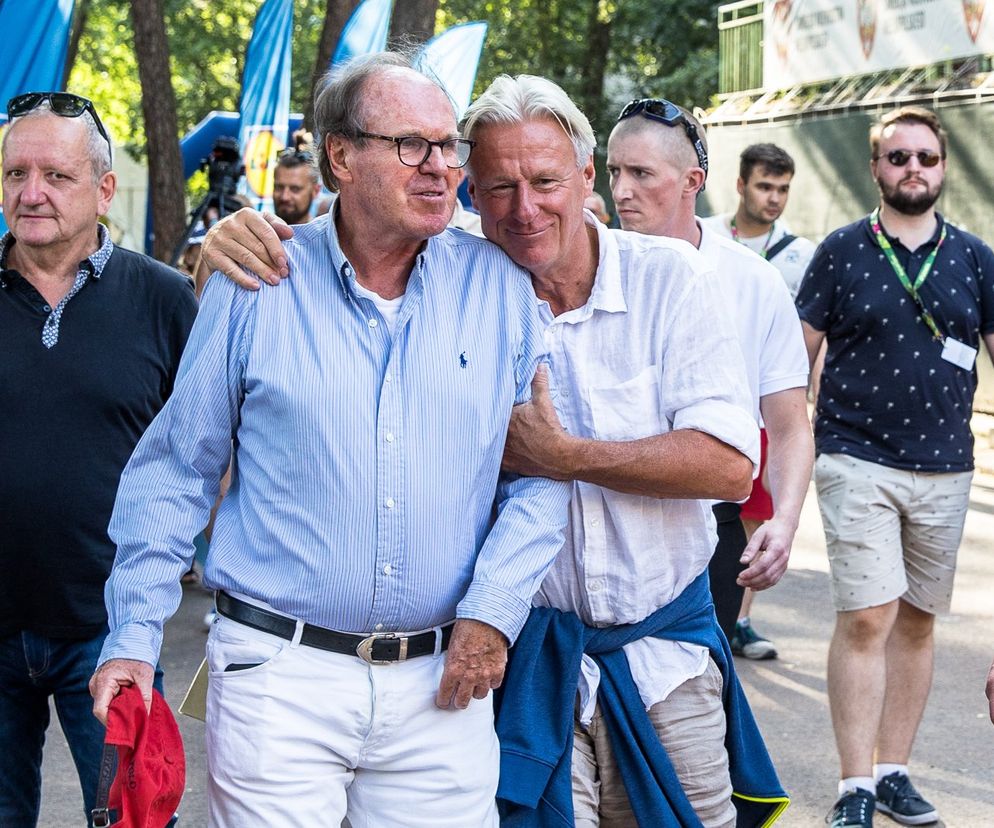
629, 410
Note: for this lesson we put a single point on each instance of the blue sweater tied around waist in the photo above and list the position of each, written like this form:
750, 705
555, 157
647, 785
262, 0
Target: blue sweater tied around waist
535, 720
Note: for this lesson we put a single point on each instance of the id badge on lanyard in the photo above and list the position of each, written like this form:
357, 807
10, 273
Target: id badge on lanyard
954, 351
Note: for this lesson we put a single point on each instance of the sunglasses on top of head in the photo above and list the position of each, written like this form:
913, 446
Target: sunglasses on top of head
666, 112
65, 104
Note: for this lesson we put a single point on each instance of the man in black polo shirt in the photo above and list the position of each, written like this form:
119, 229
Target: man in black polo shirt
903, 299
90, 339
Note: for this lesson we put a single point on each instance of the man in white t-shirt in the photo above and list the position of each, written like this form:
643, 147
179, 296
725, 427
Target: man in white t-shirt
657, 161
765, 174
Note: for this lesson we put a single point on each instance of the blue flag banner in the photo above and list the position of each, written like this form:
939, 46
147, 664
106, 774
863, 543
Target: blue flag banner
366, 32
36, 37
265, 104
454, 56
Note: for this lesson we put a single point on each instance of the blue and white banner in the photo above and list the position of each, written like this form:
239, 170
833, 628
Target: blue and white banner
265, 104
454, 57
35, 37
366, 32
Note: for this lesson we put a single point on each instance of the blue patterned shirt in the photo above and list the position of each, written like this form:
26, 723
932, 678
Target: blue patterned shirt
365, 464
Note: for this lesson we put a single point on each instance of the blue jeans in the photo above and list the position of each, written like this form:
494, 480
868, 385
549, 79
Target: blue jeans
32, 668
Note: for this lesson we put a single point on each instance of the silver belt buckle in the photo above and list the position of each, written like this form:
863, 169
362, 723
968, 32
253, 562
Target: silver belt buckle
364, 649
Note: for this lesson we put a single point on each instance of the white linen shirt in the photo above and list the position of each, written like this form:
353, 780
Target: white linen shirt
764, 316
650, 352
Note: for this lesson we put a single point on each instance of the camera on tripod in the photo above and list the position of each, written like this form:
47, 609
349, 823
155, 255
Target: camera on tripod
224, 170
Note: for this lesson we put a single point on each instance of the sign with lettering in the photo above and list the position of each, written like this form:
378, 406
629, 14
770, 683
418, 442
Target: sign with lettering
816, 40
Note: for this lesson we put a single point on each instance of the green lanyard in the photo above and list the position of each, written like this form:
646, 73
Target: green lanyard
735, 236
926, 268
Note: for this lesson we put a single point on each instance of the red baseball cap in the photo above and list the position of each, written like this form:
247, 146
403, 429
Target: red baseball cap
151, 765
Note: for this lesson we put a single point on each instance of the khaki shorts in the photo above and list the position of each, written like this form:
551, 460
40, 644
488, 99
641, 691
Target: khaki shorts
890, 533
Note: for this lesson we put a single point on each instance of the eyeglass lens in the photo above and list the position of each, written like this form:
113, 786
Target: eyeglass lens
414, 151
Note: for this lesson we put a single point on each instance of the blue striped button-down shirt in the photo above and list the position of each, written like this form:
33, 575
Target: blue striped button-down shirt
365, 464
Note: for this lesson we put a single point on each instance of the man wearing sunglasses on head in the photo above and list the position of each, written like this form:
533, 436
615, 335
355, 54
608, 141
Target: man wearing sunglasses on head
91, 337
904, 300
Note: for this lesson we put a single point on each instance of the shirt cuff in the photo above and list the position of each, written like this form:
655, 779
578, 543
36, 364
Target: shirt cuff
132, 641
726, 422
496, 607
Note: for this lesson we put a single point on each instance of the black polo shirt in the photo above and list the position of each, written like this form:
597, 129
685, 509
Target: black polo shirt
72, 415
886, 394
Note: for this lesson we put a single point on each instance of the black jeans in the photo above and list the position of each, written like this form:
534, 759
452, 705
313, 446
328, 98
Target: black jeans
725, 567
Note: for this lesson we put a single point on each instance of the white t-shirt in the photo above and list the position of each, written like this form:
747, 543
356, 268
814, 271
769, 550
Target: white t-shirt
651, 351
792, 261
766, 322
389, 308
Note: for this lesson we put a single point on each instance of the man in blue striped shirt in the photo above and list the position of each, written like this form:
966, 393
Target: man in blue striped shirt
368, 403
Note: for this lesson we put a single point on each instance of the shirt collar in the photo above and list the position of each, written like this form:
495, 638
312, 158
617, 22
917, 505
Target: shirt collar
95, 262
344, 269
608, 293
940, 222
710, 246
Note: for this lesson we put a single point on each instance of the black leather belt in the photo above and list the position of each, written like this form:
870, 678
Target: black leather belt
375, 648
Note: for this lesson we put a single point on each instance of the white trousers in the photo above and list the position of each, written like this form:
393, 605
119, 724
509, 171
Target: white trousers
308, 737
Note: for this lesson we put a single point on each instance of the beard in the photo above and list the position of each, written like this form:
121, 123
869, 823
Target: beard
292, 214
909, 203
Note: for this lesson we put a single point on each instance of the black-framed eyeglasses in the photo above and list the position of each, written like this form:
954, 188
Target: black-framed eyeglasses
302, 155
65, 104
901, 157
658, 109
413, 150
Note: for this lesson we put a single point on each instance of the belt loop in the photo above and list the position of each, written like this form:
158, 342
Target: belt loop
438, 641
298, 631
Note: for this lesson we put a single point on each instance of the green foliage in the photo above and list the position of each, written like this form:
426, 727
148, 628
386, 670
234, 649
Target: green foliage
661, 48
207, 40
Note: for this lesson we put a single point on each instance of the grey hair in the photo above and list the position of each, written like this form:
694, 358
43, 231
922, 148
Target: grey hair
526, 98
339, 100
96, 147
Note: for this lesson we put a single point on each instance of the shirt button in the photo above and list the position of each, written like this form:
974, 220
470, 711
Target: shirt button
595, 586
388, 502
594, 522
373, 323
388, 378
378, 627
389, 437
47, 308
388, 570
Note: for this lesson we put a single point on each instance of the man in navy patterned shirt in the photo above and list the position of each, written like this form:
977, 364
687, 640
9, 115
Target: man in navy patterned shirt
903, 299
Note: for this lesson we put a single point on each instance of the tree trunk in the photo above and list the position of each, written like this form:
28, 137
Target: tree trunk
413, 21
78, 24
165, 164
336, 15
592, 85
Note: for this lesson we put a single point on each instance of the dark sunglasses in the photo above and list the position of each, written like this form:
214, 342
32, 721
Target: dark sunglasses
657, 109
62, 103
901, 157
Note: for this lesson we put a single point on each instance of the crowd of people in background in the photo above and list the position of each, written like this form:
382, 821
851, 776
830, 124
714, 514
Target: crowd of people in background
463, 448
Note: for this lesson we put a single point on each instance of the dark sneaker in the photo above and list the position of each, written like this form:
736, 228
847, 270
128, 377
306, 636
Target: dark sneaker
853, 810
897, 798
748, 644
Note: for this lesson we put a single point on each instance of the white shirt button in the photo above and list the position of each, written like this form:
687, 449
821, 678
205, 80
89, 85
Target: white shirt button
595, 586
378, 627
373, 323
594, 522
388, 502
387, 569
388, 378
389, 437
